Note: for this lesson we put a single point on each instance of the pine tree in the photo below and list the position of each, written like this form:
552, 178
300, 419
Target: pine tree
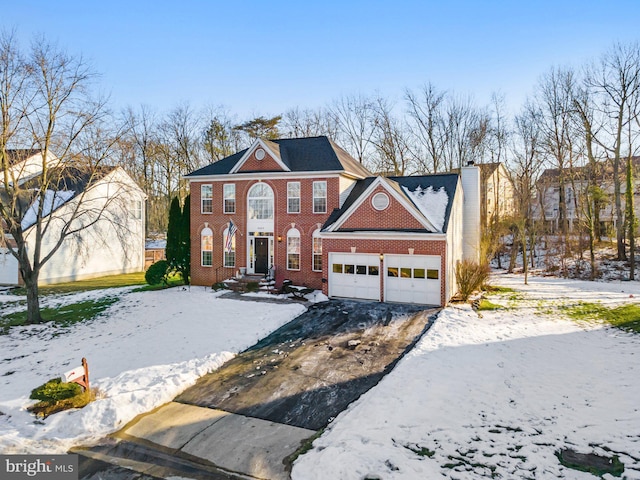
185, 241
173, 250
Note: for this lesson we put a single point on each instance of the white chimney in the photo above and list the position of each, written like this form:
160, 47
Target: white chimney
470, 177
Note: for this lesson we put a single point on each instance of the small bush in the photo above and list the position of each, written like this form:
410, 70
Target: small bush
219, 286
471, 276
253, 287
157, 273
55, 390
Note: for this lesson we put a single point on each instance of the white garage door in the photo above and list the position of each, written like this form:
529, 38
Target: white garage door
354, 275
8, 268
412, 279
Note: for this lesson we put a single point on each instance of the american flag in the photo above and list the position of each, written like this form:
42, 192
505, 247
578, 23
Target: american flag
230, 234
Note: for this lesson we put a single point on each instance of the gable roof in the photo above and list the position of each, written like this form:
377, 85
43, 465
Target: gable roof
66, 183
17, 155
408, 191
309, 154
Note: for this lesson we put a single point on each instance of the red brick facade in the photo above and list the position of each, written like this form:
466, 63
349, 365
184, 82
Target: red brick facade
306, 222
395, 216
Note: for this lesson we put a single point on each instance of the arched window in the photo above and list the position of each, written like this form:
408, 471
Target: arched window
229, 249
317, 251
293, 249
206, 247
260, 202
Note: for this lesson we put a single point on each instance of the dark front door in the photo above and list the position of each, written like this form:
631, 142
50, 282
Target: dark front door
262, 255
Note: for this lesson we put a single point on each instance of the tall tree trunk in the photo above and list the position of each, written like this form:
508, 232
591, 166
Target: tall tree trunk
622, 255
631, 218
33, 300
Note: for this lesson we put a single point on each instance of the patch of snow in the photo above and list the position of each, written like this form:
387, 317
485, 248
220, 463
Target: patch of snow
431, 203
142, 352
52, 200
496, 395
155, 244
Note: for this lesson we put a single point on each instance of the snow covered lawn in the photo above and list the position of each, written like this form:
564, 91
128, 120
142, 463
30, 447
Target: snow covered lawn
496, 396
142, 352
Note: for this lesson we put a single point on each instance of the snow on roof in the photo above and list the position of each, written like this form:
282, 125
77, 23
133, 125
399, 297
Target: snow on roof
52, 200
431, 203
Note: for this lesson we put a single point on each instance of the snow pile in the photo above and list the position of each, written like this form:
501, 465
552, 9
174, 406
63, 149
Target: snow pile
145, 350
52, 200
431, 203
495, 396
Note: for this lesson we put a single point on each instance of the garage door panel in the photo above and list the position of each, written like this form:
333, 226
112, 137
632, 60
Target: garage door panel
354, 276
412, 279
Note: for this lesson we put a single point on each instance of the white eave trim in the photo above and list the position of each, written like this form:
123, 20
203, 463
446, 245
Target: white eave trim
258, 144
385, 235
410, 207
264, 175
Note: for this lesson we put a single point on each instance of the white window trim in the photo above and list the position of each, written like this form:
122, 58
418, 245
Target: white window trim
298, 197
316, 235
202, 198
294, 233
224, 199
314, 197
206, 232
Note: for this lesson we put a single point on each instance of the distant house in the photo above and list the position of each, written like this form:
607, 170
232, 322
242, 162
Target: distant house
109, 224
576, 182
307, 210
497, 196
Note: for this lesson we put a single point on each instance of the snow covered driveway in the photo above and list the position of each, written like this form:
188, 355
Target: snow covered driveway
496, 396
143, 351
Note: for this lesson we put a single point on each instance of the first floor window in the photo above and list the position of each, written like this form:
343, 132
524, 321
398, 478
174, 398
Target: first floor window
293, 249
206, 247
229, 198
317, 251
229, 249
320, 197
206, 198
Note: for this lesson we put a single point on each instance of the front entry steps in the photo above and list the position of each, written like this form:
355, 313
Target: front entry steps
250, 283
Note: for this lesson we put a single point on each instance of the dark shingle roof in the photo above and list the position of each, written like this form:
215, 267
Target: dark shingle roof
18, 155
448, 181
311, 154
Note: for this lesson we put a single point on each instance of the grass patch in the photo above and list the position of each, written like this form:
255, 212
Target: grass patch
62, 316
487, 305
420, 451
499, 289
111, 281
174, 280
305, 446
626, 317
595, 464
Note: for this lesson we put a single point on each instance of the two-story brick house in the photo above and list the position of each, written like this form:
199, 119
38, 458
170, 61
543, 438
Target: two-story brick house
306, 209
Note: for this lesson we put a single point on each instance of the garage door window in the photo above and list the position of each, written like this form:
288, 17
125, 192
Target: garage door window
374, 270
392, 272
433, 274
405, 272
349, 269
361, 269
337, 268
418, 273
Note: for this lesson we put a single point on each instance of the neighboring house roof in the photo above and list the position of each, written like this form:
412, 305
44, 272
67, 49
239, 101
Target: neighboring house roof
18, 155
603, 169
65, 184
487, 169
312, 154
430, 197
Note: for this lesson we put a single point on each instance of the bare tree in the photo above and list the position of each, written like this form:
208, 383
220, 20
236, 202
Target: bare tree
47, 106
354, 115
615, 84
393, 155
309, 123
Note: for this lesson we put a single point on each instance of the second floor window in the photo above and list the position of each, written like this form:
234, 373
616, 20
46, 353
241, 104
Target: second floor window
260, 202
229, 198
293, 197
320, 197
206, 198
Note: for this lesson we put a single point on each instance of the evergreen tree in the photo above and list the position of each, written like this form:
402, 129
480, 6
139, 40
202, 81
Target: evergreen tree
185, 241
173, 250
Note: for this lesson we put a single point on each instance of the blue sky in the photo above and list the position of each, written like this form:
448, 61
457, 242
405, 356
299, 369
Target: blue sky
262, 58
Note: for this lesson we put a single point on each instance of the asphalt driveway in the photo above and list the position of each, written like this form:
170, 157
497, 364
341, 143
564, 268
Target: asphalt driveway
308, 371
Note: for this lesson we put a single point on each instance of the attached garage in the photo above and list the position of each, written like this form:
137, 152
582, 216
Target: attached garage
354, 275
412, 279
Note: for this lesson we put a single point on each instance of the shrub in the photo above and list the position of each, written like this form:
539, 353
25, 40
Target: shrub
471, 276
55, 390
157, 273
253, 287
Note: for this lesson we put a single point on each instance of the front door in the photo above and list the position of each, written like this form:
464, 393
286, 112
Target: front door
262, 255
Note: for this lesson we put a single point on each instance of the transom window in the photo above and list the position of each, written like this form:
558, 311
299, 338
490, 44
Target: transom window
229, 194
320, 197
260, 202
293, 249
293, 197
206, 247
206, 198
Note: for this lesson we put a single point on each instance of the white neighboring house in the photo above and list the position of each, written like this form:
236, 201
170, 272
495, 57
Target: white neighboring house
110, 205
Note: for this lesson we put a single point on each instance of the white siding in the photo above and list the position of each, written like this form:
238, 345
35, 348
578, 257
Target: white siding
471, 224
